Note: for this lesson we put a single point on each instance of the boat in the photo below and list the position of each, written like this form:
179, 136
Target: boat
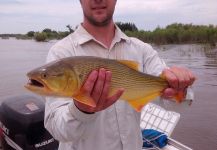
155, 117
18, 121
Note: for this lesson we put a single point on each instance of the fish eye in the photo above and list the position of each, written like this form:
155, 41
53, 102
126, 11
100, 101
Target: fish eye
44, 75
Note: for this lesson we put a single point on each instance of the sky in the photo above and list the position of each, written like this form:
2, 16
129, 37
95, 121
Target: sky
21, 16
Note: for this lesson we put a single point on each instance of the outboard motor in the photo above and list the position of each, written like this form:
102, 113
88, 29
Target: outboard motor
22, 125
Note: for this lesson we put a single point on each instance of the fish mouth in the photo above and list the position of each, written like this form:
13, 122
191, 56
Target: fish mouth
36, 85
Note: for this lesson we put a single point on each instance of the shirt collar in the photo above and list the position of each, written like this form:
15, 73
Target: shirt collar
119, 35
83, 36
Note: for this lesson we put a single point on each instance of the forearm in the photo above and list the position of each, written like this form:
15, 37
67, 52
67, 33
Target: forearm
64, 121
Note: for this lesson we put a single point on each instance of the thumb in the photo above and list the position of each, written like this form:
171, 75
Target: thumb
112, 99
169, 93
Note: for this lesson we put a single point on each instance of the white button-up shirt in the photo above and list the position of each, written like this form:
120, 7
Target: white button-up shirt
115, 128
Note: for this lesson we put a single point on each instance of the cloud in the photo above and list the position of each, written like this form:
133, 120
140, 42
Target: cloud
28, 15
149, 14
36, 15
46, 7
5, 2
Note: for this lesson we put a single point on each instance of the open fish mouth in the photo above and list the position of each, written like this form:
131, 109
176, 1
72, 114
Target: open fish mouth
38, 86
36, 83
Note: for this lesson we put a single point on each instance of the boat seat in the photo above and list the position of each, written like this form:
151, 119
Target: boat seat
157, 118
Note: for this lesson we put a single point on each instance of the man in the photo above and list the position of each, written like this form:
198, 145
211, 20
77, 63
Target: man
112, 124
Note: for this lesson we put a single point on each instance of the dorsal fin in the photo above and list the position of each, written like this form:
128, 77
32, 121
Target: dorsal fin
132, 64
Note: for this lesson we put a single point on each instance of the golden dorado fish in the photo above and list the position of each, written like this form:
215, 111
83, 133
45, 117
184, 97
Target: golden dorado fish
64, 78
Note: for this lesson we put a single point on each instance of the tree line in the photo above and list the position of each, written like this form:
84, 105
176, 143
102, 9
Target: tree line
176, 33
48, 34
40, 36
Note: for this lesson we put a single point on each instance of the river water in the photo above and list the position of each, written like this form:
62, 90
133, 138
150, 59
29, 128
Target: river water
197, 127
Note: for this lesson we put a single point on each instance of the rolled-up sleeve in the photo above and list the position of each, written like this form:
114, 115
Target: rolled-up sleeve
153, 64
64, 121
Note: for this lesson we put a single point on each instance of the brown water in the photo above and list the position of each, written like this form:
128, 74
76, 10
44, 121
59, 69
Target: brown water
197, 127
16, 58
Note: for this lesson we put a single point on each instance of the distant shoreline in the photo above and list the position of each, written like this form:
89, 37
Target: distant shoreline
176, 33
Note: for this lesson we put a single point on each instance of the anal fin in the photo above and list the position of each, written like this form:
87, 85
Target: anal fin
139, 103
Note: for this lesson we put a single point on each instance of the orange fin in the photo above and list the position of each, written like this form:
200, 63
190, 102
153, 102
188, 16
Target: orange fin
179, 96
138, 104
87, 100
132, 64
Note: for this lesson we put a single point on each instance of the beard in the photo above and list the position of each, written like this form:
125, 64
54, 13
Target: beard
101, 23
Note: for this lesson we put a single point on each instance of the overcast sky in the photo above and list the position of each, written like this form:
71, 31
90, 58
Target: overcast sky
21, 16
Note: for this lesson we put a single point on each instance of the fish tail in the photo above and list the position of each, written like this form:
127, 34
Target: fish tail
179, 96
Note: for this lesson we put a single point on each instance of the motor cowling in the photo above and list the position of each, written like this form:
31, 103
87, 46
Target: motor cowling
22, 124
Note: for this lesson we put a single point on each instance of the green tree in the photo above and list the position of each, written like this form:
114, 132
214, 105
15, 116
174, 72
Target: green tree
30, 34
47, 30
127, 26
70, 28
40, 36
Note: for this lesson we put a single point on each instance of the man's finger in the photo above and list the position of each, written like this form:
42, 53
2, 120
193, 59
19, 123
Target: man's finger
171, 78
105, 91
89, 83
183, 76
192, 77
107, 84
169, 93
98, 87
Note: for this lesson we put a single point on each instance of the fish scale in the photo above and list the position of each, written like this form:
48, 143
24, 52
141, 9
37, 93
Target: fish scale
71, 72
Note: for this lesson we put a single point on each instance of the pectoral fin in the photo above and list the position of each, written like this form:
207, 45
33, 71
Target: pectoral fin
138, 104
85, 99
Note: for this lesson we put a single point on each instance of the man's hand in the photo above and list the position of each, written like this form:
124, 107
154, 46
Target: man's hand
97, 87
179, 79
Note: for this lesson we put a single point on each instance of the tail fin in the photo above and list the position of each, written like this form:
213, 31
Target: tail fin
179, 96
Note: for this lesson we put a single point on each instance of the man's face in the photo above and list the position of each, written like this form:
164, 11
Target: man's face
98, 12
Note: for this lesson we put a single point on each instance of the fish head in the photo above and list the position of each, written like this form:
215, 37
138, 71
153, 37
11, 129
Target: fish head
53, 79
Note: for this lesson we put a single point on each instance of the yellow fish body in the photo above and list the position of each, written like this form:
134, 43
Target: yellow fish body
65, 77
